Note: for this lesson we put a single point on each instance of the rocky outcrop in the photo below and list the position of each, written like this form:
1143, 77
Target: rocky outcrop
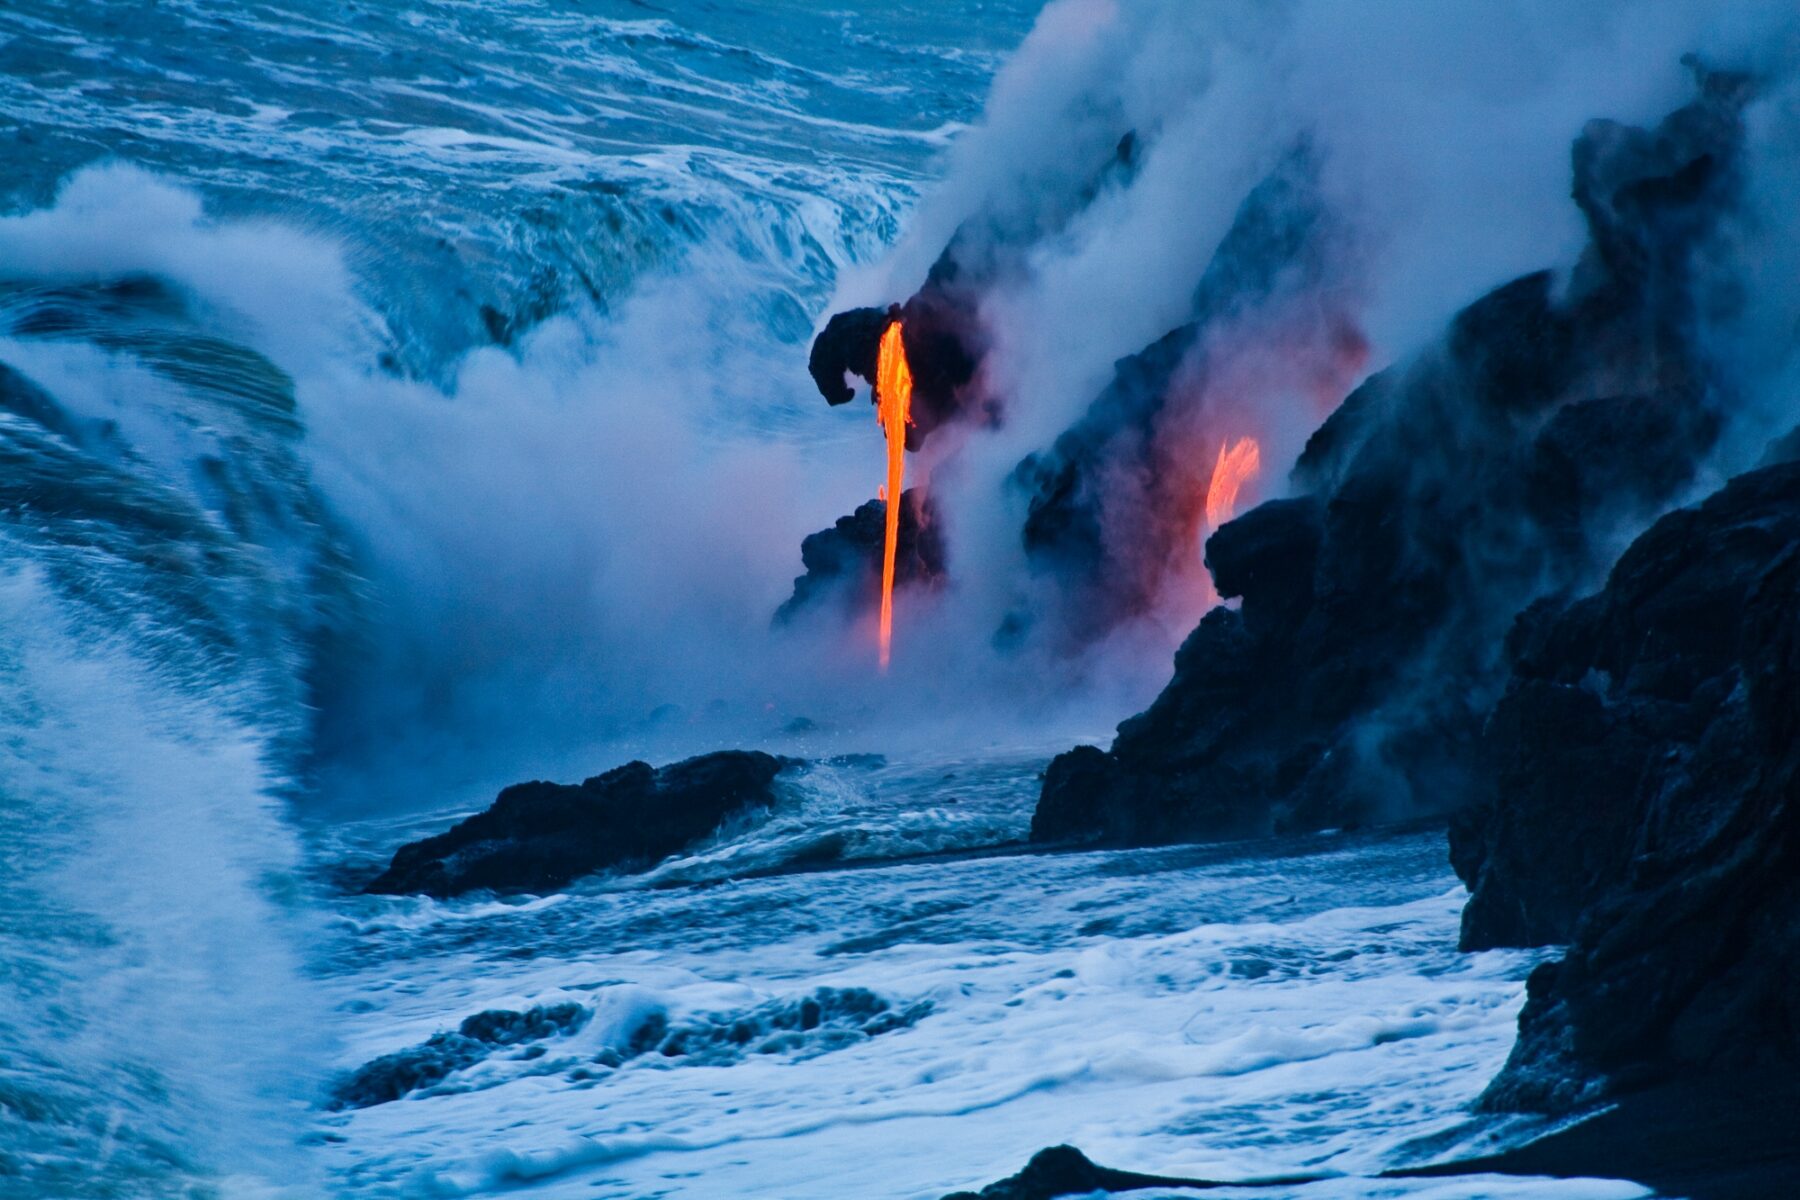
843, 563
1066, 1171
1440, 498
943, 343
942, 329
539, 837
822, 1021
1625, 731
1648, 758
1114, 506
848, 345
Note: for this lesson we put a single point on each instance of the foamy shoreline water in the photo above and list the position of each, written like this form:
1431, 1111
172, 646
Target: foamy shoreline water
1222, 1012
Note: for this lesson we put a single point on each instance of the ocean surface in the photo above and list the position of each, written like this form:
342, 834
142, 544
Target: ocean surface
401, 399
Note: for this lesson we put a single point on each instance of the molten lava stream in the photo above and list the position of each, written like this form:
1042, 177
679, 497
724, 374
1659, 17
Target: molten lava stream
893, 408
1238, 463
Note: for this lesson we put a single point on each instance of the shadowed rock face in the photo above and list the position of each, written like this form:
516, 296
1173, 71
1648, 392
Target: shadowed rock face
843, 563
944, 336
1624, 735
1439, 499
1114, 504
1648, 755
943, 347
538, 837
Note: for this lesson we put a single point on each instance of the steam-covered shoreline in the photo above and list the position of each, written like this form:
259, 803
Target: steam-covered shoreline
399, 403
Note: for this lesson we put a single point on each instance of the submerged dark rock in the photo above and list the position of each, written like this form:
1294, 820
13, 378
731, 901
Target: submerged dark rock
1648, 752
540, 836
1066, 1171
1441, 497
819, 1022
822, 1021
843, 563
392, 1076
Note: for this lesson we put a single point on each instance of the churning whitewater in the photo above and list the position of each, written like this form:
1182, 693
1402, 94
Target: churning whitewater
401, 401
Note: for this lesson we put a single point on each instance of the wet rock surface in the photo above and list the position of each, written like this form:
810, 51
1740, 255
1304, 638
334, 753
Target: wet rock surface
392, 1076
1066, 1171
1441, 497
826, 1019
541, 1041
1649, 812
540, 836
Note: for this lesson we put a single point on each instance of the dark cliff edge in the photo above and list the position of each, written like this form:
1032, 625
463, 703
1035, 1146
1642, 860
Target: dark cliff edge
1644, 807
1443, 496
1620, 768
1648, 753
539, 837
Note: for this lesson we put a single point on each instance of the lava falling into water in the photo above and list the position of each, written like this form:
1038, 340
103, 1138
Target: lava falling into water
1238, 463
893, 408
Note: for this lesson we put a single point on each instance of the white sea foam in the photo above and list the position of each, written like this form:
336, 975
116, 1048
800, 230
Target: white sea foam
153, 954
1246, 1043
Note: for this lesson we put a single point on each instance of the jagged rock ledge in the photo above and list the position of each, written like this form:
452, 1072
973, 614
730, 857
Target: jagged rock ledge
1442, 497
843, 563
1648, 755
538, 837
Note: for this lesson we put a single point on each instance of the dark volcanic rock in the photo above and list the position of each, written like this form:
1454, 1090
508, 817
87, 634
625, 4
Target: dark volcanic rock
824, 1020
1442, 497
820, 1022
942, 329
844, 562
431, 1062
849, 344
1114, 505
1648, 749
538, 836
943, 345
1066, 1171
1624, 735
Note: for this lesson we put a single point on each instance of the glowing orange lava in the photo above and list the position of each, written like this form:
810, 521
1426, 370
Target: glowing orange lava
893, 408
1238, 463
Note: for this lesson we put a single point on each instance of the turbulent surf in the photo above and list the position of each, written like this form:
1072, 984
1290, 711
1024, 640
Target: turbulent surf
444, 751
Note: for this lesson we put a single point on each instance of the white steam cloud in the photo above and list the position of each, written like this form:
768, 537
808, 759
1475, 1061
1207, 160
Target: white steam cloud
573, 550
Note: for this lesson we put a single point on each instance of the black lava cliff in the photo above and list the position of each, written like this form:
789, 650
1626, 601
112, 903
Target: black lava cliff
1648, 755
1441, 498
